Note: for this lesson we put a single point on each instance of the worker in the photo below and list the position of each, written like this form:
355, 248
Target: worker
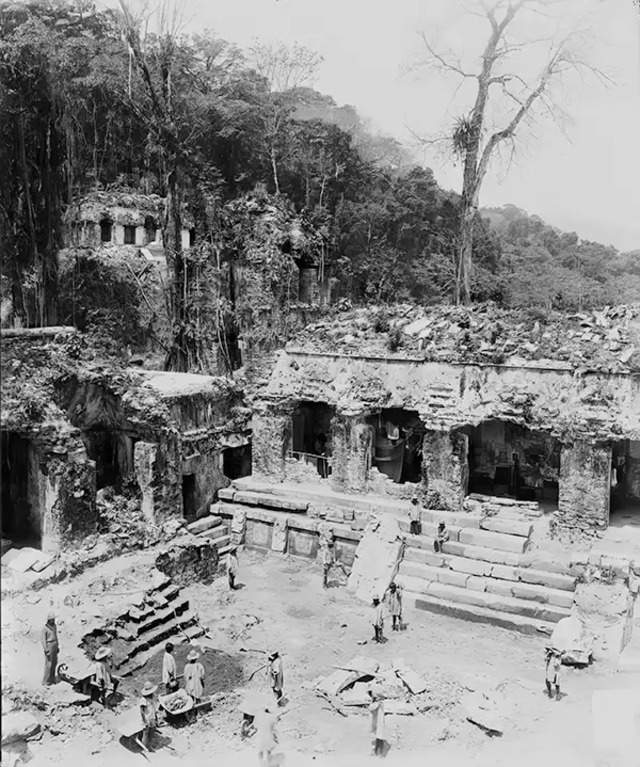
232, 567
327, 563
275, 673
194, 676
148, 712
553, 659
376, 708
266, 735
395, 606
378, 620
103, 676
442, 536
169, 675
51, 649
414, 517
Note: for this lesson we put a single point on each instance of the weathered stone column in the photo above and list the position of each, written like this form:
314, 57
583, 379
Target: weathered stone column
270, 432
585, 483
352, 447
445, 464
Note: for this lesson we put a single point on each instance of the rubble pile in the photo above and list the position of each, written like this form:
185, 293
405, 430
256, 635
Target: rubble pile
605, 340
491, 506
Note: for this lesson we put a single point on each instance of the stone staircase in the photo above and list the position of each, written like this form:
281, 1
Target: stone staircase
160, 614
482, 574
213, 528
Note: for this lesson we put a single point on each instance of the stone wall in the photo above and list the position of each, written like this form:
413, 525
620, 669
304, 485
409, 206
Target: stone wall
444, 457
585, 481
269, 444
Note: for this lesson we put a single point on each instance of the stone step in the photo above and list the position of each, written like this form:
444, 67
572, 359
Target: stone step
206, 523
488, 600
497, 569
513, 544
222, 543
282, 501
175, 609
477, 614
484, 582
499, 557
214, 533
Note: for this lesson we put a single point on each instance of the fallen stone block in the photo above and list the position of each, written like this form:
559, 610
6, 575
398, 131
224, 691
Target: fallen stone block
18, 725
362, 664
24, 560
338, 681
226, 493
412, 681
206, 523
188, 562
358, 695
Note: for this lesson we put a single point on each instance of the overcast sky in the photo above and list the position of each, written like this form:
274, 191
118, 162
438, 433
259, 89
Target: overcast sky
589, 183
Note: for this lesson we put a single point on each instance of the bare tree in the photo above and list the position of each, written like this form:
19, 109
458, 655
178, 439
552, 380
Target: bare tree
501, 81
285, 68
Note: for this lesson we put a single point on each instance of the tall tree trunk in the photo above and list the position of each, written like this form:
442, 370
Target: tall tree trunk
275, 169
464, 253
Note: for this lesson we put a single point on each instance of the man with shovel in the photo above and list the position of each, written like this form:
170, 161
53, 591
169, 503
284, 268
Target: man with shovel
276, 674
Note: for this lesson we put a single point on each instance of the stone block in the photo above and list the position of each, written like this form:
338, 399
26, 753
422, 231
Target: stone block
552, 580
206, 523
270, 501
476, 583
279, 536
424, 556
452, 577
469, 566
499, 587
226, 493
499, 541
505, 573
455, 548
507, 526
417, 570
527, 591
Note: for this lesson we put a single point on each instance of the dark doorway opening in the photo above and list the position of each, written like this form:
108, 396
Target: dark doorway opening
106, 230
311, 435
150, 230
113, 454
397, 445
625, 483
129, 235
506, 459
21, 511
189, 496
236, 461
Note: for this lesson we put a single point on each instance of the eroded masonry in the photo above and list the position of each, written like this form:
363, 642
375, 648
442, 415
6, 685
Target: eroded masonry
443, 419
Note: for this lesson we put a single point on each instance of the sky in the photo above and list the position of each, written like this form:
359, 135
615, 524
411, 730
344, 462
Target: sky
584, 177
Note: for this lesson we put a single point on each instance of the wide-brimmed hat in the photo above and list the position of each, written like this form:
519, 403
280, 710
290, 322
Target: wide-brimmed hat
273, 654
415, 501
193, 655
148, 689
103, 652
51, 616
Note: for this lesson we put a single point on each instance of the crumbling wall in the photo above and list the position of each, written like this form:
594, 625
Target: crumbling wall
158, 470
352, 450
444, 458
376, 558
269, 444
189, 561
585, 482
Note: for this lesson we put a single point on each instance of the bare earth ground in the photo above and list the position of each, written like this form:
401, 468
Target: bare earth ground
282, 605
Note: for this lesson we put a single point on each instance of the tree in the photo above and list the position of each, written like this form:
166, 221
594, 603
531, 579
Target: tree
500, 81
285, 69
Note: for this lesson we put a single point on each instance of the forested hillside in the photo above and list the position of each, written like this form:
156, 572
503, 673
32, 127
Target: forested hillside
88, 103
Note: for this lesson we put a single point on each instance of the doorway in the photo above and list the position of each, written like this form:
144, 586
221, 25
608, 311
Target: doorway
21, 511
236, 461
397, 450
311, 435
625, 483
189, 496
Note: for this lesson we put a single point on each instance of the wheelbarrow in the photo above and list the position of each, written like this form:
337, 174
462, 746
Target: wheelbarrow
130, 726
175, 705
78, 675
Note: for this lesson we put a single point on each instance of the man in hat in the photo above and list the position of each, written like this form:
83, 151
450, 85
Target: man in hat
194, 676
169, 675
148, 712
51, 649
414, 517
275, 673
327, 563
553, 659
103, 676
376, 708
378, 619
266, 738
442, 536
395, 606
232, 567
